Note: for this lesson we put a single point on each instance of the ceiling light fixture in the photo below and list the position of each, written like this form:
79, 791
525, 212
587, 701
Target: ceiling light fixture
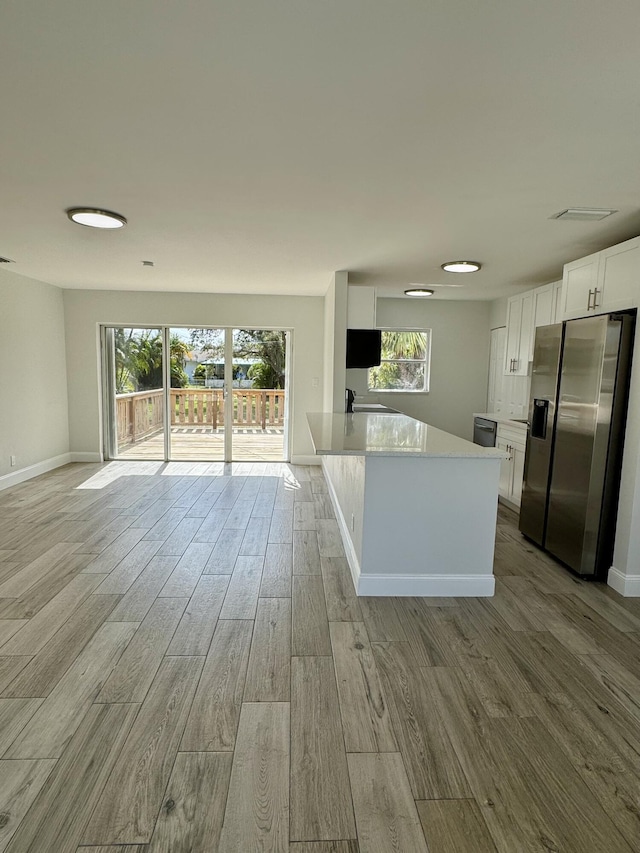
419, 291
94, 218
461, 266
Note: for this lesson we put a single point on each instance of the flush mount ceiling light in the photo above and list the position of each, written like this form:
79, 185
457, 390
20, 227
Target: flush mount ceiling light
419, 291
94, 218
583, 214
461, 266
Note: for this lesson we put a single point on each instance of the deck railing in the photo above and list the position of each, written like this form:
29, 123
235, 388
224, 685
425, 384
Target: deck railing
140, 415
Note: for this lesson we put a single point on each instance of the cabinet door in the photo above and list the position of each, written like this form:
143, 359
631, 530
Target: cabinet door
361, 307
543, 310
506, 469
579, 280
518, 453
512, 348
525, 339
556, 316
619, 277
496, 370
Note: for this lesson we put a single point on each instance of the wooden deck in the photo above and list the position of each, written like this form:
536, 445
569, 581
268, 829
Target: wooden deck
184, 666
203, 445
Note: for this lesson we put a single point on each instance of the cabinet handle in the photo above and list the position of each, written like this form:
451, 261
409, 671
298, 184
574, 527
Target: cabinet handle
589, 300
596, 304
515, 365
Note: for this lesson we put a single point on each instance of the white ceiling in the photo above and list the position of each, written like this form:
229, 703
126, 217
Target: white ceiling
257, 145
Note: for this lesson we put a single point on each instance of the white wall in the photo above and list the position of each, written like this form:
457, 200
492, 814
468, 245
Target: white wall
86, 309
33, 380
459, 361
335, 342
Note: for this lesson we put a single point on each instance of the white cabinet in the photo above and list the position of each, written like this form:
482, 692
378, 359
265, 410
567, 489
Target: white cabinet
618, 277
602, 282
512, 440
495, 394
520, 318
361, 308
556, 313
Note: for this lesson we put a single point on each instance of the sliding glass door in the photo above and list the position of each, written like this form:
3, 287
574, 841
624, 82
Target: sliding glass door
199, 394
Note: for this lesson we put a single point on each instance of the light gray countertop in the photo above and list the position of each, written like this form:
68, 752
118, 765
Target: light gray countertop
365, 434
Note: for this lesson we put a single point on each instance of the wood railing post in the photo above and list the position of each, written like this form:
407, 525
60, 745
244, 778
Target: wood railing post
263, 405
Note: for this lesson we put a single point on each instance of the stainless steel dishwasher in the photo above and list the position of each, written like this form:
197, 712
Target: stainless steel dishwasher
484, 432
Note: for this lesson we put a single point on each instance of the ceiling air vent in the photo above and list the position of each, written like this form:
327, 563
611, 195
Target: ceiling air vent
6, 261
583, 214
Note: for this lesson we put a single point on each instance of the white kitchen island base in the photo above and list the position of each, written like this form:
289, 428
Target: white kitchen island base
417, 521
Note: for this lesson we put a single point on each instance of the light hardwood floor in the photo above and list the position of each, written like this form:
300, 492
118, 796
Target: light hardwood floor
184, 667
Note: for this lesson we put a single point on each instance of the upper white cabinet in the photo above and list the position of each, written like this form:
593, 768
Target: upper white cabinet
525, 312
520, 319
361, 308
556, 315
602, 282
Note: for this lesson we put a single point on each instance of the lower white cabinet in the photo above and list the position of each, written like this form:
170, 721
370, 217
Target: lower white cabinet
512, 440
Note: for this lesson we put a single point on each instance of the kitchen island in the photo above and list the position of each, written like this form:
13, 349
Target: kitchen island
416, 506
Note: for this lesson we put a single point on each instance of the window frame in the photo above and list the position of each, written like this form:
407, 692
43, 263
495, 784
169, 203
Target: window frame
426, 361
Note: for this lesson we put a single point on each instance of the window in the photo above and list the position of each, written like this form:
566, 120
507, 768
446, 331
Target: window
404, 366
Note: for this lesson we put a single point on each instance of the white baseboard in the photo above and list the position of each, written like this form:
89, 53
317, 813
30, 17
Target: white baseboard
22, 474
627, 585
305, 460
86, 457
445, 586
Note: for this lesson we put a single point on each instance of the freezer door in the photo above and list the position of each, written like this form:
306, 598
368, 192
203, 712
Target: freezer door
542, 410
583, 428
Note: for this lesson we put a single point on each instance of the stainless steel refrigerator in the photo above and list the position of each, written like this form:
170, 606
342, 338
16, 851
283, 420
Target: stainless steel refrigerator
577, 413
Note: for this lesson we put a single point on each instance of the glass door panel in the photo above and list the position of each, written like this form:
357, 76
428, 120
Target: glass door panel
133, 393
259, 395
197, 394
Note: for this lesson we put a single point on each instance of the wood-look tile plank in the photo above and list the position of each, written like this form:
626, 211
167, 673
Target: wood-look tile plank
57, 719
323, 507
329, 540
281, 527
132, 797
41, 593
382, 619
431, 763
616, 680
255, 539
26, 577
105, 535
117, 550
131, 677
276, 572
8, 627
136, 602
386, 815
63, 806
129, 568
191, 816
20, 783
269, 671
239, 514
428, 632
324, 847
257, 812
10, 668
213, 720
154, 513
304, 517
198, 623
310, 626
263, 506
164, 527
321, 805
117, 848
176, 543
44, 670
39, 630
241, 599
342, 601
225, 552
306, 556
454, 826
185, 576
365, 713
212, 525
14, 716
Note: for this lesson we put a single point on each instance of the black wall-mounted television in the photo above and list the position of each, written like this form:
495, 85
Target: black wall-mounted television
363, 347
